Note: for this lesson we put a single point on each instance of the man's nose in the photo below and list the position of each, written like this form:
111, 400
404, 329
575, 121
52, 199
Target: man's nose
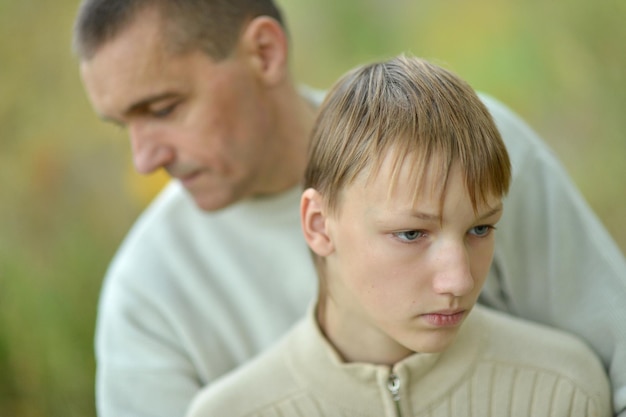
453, 273
149, 152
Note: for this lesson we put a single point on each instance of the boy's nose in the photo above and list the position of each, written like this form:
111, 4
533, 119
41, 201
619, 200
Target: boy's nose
453, 273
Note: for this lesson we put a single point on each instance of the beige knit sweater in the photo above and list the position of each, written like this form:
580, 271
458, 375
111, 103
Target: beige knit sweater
498, 366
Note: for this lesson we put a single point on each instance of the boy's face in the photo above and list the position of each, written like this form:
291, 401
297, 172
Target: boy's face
400, 278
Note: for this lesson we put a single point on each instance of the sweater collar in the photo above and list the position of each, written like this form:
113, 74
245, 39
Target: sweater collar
360, 387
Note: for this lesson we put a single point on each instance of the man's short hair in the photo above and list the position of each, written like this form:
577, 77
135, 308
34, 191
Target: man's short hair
213, 26
426, 114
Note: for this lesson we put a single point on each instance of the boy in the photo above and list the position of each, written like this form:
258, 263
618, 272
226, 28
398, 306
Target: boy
404, 187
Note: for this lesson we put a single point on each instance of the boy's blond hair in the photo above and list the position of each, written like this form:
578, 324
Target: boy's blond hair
424, 113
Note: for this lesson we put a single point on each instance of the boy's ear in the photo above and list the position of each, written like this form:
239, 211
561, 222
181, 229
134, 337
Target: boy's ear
264, 43
314, 223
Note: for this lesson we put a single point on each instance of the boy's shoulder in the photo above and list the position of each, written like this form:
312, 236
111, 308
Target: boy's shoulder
523, 340
528, 348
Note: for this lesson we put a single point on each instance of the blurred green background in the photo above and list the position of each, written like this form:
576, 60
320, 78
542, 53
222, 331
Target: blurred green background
68, 192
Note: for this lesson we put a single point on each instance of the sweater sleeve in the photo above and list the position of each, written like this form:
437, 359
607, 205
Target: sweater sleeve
144, 367
141, 371
555, 263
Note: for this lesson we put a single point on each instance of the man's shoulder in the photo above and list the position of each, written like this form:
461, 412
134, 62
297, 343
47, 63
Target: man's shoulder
173, 232
170, 209
523, 143
180, 259
155, 235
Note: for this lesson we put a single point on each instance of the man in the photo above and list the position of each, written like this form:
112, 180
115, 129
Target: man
212, 273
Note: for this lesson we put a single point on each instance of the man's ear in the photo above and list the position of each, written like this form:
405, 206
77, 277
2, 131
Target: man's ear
314, 223
265, 44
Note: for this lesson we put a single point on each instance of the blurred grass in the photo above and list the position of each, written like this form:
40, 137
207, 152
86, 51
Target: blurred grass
68, 193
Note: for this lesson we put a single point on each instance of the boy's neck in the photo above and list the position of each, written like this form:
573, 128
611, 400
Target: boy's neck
356, 341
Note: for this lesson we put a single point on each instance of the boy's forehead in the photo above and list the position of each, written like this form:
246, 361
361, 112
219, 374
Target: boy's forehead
402, 185
413, 169
393, 172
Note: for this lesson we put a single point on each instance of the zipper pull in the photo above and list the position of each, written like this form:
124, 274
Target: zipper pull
393, 385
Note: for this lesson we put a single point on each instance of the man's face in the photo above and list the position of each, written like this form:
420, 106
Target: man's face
204, 122
401, 278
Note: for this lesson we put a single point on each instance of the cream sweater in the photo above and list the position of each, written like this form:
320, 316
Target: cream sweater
498, 366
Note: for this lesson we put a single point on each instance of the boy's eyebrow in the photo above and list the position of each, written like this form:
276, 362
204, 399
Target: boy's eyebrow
435, 217
426, 216
491, 212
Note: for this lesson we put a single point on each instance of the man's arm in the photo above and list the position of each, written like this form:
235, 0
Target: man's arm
145, 354
141, 370
555, 263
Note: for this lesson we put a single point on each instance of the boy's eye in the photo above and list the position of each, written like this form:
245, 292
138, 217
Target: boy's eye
481, 231
409, 235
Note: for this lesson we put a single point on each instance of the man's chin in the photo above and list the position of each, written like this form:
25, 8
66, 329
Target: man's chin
212, 201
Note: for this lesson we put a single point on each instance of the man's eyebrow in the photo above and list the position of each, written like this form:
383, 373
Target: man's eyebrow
134, 107
147, 101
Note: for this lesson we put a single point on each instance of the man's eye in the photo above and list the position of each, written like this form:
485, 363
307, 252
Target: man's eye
481, 231
409, 235
163, 112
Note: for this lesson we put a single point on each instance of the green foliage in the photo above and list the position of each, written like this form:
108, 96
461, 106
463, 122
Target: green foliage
68, 195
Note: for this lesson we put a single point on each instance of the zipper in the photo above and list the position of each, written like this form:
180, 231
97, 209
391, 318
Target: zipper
393, 385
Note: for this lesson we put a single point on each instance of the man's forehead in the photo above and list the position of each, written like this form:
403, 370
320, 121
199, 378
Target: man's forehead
126, 71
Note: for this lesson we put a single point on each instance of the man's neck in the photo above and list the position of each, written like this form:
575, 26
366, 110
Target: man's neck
294, 115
